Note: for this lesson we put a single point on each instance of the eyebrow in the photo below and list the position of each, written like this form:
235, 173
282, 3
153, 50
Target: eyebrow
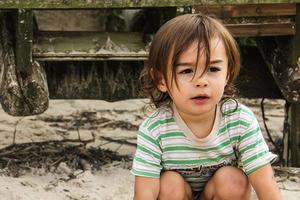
192, 64
216, 61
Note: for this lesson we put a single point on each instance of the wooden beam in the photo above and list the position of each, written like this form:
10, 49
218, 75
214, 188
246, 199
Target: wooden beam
71, 20
261, 29
295, 43
23, 86
60, 46
24, 37
247, 10
262, 13
294, 135
54, 58
294, 113
69, 4
50, 46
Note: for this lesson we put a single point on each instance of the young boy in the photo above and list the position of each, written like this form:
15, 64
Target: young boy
200, 143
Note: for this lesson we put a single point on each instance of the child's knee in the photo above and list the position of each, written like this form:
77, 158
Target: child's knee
172, 186
231, 183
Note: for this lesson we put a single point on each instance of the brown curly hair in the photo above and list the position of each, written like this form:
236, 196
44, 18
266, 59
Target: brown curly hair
173, 38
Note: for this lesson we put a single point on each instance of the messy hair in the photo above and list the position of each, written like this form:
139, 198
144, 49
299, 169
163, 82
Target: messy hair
176, 36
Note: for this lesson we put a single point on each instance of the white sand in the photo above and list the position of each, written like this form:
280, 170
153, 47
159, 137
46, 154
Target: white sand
113, 181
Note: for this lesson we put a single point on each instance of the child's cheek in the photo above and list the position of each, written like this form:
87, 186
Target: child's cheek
184, 79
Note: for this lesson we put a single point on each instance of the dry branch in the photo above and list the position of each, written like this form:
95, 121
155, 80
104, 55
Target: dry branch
50, 154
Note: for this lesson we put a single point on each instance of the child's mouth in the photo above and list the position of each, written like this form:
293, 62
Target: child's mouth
200, 97
200, 100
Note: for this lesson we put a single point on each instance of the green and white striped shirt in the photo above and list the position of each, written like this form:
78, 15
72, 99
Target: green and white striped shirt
165, 143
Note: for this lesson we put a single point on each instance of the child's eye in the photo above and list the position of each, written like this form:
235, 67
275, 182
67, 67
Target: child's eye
185, 71
213, 69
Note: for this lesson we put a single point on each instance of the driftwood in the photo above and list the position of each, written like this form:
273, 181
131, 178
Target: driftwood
21, 94
64, 155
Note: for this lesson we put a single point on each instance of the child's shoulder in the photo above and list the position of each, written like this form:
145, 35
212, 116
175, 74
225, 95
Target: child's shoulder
158, 117
232, 107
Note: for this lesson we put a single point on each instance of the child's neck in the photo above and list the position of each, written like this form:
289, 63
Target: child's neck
202, 125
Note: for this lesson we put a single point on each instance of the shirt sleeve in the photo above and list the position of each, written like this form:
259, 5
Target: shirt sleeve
147, 159
253, 150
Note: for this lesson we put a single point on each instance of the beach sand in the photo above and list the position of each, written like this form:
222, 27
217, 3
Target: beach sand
113, 126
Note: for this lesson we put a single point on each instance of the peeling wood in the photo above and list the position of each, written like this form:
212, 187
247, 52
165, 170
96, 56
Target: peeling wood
247, 10
23, 39
106, 80
101, 57
21, 94
71, 20
90, 46
261, 29
67, 4
257, 20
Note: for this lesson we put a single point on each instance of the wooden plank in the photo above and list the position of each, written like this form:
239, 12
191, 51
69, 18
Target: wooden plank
67, 4
111, 57
266, 29
50, 46
249, 10
89, 46
71, 20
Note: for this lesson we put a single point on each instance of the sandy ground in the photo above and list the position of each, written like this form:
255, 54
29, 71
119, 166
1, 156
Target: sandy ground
114, 126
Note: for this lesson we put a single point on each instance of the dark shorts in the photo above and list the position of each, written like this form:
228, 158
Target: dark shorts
196, 195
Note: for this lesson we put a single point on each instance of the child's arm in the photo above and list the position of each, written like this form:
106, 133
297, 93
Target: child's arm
146, 188
264, 183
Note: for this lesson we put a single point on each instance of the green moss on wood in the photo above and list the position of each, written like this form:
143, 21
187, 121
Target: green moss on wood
65, 4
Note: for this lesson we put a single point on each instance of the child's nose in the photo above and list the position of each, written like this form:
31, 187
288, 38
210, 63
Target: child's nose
201, 81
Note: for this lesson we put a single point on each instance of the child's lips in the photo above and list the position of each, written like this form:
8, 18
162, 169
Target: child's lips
201, 97
200, 100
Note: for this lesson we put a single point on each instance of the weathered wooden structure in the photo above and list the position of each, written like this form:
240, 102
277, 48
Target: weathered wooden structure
94, 49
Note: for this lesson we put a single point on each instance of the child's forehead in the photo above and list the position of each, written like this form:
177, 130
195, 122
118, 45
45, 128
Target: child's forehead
195, 46
200, 47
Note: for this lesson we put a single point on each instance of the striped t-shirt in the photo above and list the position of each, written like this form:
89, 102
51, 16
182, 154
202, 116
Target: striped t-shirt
165, 142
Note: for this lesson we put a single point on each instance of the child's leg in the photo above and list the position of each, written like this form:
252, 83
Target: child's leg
228, 183
173, 186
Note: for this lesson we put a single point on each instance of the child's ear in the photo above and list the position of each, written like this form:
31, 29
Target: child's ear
162, 86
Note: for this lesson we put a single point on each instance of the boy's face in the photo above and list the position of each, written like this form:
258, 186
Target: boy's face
198, 93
